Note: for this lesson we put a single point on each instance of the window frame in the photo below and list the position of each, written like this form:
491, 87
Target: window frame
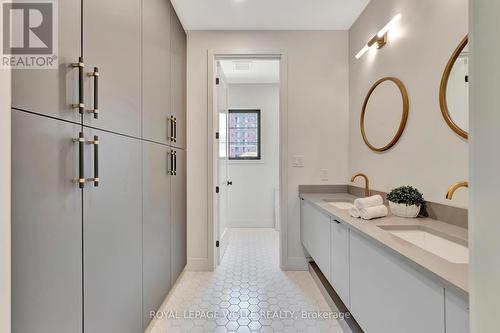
257, 158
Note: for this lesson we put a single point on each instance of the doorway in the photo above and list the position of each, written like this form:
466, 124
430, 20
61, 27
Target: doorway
247, 168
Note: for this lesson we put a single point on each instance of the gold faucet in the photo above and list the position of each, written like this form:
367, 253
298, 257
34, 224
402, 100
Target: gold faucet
454, 187
367, 182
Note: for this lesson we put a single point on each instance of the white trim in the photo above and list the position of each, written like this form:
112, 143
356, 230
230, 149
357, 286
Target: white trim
197, 265
212, 148
297, 264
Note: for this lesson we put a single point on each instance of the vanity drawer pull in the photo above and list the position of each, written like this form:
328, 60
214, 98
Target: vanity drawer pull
337, 221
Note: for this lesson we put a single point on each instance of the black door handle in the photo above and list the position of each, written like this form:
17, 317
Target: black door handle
81, 104
95, 75
81, 169
96, 160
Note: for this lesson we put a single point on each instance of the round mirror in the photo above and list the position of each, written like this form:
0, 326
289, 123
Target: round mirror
384, 114
454, 90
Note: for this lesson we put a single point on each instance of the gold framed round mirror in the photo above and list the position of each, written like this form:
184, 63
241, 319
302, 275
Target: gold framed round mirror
454, 90
388, 102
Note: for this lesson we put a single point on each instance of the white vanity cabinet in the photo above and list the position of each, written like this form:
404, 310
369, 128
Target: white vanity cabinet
389, 296
315, 235
340, 260
457, 313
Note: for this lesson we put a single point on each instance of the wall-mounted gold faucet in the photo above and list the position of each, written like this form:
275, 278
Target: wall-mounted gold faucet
367, 182
454, 187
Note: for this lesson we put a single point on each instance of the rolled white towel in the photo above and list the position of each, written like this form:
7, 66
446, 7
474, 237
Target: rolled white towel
354, 212
374, 200
373, 212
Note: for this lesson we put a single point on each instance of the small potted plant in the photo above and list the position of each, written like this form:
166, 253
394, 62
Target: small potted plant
405, 201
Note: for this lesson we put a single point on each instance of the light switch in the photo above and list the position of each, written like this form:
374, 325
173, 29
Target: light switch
324, 174
298, 161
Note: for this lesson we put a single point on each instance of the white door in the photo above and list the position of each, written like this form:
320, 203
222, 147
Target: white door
223, 182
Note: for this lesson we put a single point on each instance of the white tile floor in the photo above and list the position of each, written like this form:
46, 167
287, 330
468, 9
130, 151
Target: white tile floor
247, 293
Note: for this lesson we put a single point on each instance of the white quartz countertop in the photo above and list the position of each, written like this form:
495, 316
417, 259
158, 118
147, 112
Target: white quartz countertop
451, 275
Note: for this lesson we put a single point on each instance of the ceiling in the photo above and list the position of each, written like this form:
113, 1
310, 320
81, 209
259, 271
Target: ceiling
251, 71
268, 14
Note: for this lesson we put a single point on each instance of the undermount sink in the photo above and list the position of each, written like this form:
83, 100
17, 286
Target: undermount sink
443, 247
344, 205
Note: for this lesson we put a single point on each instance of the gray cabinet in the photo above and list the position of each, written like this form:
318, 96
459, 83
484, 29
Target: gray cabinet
388, 296
156, 103
179, 230
340, 260
112, 42
157, 245
315, 235
457, 313
178, 77
112, 226
46, 226
52, 92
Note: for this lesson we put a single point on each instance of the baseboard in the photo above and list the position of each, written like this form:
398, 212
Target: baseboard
296, 264
349, 324
267, 223
197, 265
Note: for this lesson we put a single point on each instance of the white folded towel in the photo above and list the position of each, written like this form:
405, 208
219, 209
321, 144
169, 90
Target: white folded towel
354, 212
373, 212
374, 200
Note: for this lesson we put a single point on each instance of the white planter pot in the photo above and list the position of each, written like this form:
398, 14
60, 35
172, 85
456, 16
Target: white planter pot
403, 210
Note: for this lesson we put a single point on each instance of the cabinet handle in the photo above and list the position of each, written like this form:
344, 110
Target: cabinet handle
171, 168
96, 178
337, 221
175, 163
171, 135
175, 129
81, 170
80, 105
95, 75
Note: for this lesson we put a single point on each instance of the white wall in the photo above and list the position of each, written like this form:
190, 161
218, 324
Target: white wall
317, 120
251, 198
5, 201
429, 155
484, 231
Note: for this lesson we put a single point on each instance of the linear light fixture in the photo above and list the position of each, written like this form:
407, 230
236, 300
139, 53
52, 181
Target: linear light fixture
380, 39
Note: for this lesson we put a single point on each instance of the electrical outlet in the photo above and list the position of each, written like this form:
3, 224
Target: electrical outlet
324, 174
298, 161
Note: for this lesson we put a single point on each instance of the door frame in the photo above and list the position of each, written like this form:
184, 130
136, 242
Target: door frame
212, 146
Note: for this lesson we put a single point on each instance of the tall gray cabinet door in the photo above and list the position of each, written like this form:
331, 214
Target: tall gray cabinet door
112, 224
156, 104
179, 236
52, 92
46, 226
156, 227
178, 63
112, 42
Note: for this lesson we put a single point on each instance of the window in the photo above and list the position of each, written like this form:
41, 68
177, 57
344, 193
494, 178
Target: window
244, 135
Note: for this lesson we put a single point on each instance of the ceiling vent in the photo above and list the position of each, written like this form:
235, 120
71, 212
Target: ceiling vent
242, 66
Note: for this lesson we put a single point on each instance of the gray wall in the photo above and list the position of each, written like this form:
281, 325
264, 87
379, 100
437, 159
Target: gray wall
317, 120
429, 155
485, 164
5, 200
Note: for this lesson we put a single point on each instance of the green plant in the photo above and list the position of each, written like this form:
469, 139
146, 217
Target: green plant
406, 195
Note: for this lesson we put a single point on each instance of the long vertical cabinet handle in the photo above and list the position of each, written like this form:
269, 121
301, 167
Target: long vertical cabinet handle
96, 178
171, 167
171, 134
81, 102
175, 163
175, 129
95, 75
81, 158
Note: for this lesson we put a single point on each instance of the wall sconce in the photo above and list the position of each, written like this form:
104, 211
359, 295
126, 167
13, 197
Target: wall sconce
380, 39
